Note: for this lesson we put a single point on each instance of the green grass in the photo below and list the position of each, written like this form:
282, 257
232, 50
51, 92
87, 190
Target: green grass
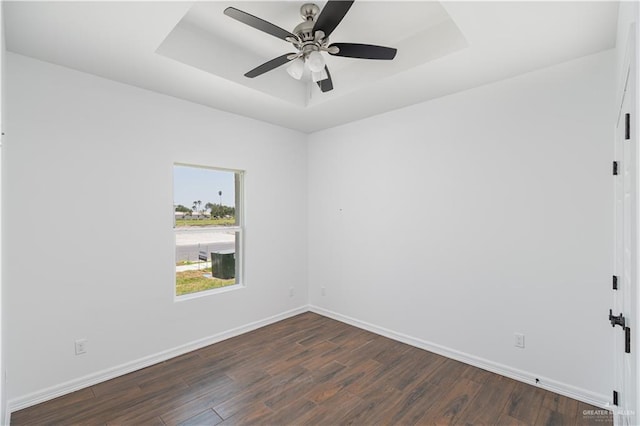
194, 281
206, 222
188, 262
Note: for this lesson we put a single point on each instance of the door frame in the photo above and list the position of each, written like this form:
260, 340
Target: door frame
627, 412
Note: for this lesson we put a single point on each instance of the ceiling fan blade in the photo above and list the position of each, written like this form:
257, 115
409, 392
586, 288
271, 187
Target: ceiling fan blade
364, 51
257, 23
268, 66
326, 84
331, 16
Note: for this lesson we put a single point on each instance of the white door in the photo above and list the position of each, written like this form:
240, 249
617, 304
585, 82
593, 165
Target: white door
626, 253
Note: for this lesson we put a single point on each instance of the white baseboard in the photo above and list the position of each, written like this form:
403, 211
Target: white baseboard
570, 391
111, 373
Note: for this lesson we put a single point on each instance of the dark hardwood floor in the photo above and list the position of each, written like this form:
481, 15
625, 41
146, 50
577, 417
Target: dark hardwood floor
311, 370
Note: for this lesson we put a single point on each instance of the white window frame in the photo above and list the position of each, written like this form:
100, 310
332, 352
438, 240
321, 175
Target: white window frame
239, 229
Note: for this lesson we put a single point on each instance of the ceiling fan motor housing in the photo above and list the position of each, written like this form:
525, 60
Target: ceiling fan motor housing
304, 30
310, 41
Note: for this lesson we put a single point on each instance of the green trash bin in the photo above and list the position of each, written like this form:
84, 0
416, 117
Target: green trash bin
223, 264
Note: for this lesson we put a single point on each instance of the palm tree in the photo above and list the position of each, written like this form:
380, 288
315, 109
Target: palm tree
196, 206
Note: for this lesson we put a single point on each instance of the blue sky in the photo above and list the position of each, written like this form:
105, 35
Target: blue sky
198, 183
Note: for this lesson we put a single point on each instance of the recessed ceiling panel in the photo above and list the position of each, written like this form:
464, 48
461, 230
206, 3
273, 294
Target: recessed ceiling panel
207, 39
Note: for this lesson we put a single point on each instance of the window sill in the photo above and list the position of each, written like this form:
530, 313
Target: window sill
190, 296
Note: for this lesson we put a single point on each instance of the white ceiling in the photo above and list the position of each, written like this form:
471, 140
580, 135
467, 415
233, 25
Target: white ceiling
443, 48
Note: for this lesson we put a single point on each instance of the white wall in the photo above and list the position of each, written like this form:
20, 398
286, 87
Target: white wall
628, 14
457, 222
78, 142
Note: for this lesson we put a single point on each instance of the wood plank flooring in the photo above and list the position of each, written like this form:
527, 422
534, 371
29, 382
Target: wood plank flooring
311, 370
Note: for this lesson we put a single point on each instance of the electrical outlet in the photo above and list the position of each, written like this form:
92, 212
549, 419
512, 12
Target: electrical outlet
81, 346
292, 291
323, 291
519, 340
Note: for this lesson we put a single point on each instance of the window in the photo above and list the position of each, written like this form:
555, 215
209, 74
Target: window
208, 228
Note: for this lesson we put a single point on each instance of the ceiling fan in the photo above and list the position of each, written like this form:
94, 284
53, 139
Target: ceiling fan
310, 38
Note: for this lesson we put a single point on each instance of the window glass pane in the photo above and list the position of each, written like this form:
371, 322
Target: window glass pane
204, 197
205, 261
207, 228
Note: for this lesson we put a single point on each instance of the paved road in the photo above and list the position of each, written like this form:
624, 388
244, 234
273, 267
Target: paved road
190, 252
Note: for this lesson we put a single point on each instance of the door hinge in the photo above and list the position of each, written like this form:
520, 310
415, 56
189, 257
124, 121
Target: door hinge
616, 320
627, 126
627, 340
615, 397
615, 168
615, 282
621, 321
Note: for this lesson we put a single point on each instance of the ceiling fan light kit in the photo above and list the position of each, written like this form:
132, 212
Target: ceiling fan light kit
311, 38
315, 61
296, 68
